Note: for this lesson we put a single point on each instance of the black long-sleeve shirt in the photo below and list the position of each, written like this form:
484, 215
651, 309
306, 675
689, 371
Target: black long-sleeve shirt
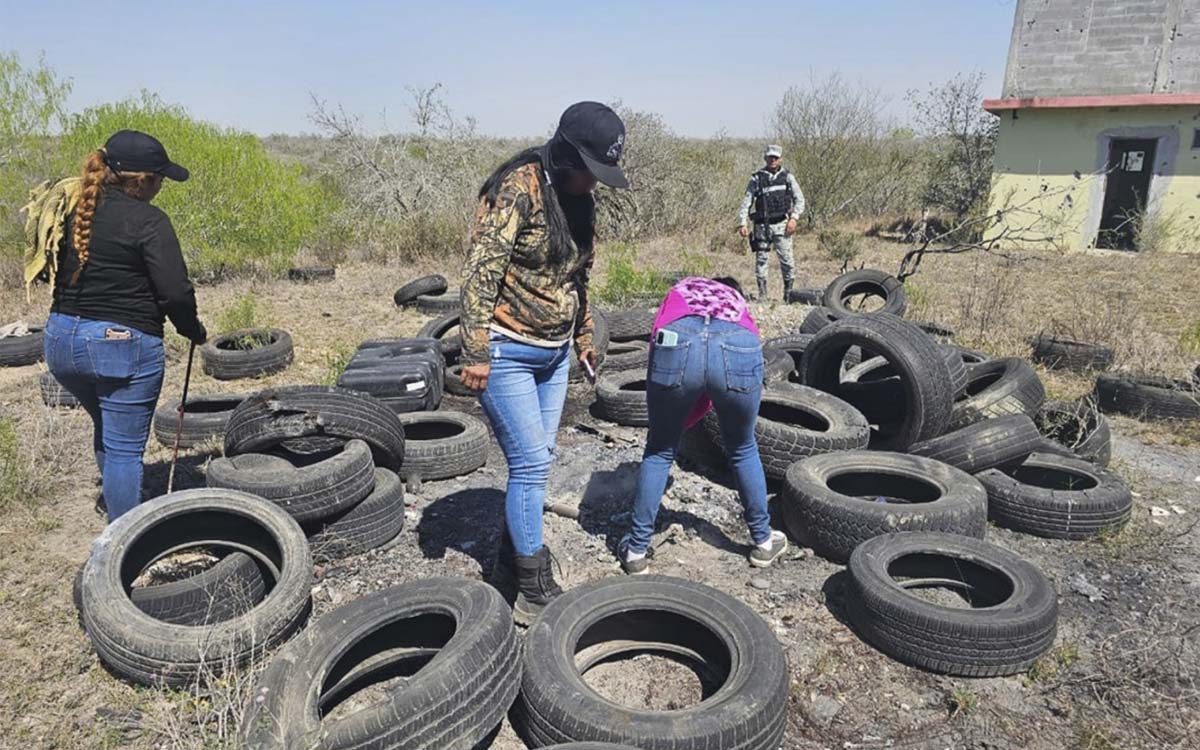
135, 274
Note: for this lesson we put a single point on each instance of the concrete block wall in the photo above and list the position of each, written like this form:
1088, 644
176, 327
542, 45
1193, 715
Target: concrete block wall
1099, 47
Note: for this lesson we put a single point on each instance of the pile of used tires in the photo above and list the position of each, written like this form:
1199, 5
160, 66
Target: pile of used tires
408, 376
327, 457
894, 448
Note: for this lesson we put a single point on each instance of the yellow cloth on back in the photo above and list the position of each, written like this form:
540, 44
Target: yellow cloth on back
45, 223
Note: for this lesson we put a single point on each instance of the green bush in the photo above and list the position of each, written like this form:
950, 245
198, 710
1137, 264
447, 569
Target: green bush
241, 210
240, 315
625, 281
839, 245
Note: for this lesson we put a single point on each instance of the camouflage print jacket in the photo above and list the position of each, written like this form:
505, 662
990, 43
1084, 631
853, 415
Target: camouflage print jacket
509, 280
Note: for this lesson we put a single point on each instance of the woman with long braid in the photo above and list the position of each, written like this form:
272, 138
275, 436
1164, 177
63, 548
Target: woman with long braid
120, 274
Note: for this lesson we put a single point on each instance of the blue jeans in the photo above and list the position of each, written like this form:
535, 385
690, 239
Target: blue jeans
724, 361
524, 402
117, 381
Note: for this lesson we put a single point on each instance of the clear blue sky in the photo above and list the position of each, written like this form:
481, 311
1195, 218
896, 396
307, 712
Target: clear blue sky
703, 65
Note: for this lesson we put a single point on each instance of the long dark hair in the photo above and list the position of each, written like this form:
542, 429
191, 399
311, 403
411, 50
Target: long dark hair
556, 157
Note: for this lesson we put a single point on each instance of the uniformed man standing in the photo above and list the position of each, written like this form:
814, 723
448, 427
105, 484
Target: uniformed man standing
777, 202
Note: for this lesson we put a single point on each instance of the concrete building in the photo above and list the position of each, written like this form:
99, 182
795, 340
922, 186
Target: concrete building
1099, 133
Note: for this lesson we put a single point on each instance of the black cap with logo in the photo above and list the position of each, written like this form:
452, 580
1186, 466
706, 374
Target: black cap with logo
598, 134
131, 151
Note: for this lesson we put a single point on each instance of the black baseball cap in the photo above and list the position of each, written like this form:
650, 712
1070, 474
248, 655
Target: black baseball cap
598, 134
131, 151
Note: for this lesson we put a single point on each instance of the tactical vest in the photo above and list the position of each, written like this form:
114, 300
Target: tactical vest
772, 197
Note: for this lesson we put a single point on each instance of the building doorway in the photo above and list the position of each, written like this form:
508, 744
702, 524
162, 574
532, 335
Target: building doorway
1129, 170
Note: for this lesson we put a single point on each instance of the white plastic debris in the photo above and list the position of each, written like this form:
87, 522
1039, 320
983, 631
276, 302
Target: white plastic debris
1160, 512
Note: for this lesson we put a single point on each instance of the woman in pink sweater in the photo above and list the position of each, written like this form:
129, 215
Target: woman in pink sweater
706, 355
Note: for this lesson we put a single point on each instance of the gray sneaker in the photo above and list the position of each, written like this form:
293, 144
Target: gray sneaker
638, 567
762, 558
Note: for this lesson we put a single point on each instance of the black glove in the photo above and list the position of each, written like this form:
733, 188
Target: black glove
200, 336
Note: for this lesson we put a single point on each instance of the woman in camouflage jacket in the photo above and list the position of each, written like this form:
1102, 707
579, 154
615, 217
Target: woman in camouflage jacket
524, 301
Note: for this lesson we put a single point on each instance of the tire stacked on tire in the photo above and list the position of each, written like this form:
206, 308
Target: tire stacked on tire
865, 284
428, 294
404, 374
795, 421
956, 439
454, 700
176, 635
204, 419
327, 456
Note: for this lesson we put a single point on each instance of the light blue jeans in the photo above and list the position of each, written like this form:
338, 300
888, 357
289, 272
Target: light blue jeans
117, 381
724, 361
524, 400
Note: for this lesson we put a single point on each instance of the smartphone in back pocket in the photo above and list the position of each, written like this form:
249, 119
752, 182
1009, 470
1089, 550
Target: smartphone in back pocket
666, 337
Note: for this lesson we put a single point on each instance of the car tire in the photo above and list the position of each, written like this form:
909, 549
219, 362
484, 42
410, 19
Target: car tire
1148, 397
778, 365
794, 422
439, 304
204, 419
632, 324
837, 501
1003, 441
312, 273
442, 444
18, 351
53, 394
147, 651
363, 526
621, 397
627, 355
1059, 353
920, 364
818, 318
435, 284
306, 487
998, 388
620, 615
222, 360
453, 637
320, 414
806, 296
1076, 428
1014, 624
868, 281
1057, 497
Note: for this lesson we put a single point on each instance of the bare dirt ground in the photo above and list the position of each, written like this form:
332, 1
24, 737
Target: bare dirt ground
1124, 672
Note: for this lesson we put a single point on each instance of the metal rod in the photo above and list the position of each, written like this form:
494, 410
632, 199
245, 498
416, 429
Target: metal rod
187, 379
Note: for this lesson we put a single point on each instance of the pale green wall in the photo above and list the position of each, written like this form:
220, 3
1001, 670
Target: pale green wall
1040, 151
